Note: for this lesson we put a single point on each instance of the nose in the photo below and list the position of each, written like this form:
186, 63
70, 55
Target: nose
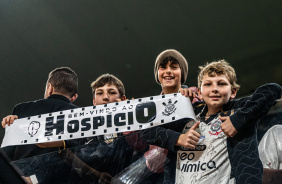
105, 97
215, 88
168, 70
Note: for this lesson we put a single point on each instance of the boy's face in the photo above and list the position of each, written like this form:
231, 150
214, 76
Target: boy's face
216, 91
106, 94
170, 75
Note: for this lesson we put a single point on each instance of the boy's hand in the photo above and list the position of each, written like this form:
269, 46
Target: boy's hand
119, 100
9, 120
188, 93
227, 126
190, 138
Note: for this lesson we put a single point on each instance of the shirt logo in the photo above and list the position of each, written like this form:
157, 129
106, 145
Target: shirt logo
215, 127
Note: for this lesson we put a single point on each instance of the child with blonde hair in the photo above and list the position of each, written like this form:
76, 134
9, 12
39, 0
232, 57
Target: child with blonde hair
227, 151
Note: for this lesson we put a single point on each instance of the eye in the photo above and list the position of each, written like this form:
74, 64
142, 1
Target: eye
112, 92
207, 84
222, 84
174, 66
99, 93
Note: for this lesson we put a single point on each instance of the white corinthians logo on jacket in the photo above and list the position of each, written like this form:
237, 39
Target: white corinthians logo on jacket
169, 108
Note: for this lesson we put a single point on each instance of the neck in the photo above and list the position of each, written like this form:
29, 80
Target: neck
213, 110
55, 93
169, 90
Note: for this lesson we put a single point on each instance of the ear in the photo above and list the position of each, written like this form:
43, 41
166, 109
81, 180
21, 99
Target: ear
94, 103
74, 97
123, 98
199, 93
50, 89
233, 93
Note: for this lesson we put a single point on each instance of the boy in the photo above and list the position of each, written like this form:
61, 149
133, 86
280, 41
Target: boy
107, 89
110, 153
170, 70
228, 150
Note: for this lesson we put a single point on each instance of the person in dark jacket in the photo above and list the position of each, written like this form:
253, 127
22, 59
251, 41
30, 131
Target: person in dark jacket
61, 91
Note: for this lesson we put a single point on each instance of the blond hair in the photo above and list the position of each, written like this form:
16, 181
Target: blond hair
220, 67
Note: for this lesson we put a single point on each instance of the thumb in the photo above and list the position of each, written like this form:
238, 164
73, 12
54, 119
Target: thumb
223, 118
195, 126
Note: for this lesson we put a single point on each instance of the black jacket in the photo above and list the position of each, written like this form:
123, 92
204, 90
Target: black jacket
53, 103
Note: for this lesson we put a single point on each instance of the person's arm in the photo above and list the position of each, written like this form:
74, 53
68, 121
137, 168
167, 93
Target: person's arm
169, 136
190, 139
161, 136
255, 106
62, 144
133, 139
52, 144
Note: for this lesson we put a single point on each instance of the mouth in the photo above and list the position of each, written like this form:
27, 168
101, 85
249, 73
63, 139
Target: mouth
168, 78
215, 97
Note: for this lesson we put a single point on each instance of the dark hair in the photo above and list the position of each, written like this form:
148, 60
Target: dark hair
110, 80
164, 62
64, 80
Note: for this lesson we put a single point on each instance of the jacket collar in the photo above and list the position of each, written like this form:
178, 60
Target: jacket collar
61, 97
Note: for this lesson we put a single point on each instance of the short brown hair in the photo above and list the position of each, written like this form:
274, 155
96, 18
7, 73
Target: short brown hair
218, 68
64, 80
110, 80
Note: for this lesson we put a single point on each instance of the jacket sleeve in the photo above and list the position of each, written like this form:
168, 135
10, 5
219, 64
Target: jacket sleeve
10, 150
255, 106
164, 136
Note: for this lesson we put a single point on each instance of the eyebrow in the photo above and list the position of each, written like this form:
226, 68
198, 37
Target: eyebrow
107, 89
220, 80
112, 89
206, 81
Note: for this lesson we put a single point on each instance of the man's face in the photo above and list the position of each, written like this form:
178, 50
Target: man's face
106, 94
216, 91
170, 75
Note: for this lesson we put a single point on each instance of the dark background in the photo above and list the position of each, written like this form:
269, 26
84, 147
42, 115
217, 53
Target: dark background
124, 37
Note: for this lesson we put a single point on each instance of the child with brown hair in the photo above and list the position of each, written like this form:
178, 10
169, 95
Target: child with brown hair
171, 69
227, 151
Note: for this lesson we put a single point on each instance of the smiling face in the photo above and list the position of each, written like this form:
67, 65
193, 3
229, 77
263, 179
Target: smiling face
216, 91
169, 75
106, 94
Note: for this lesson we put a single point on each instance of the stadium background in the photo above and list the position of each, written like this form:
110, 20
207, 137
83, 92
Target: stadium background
124, 37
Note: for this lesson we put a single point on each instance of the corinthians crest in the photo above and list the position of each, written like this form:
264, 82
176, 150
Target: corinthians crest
215, 127
169, 107
33, 128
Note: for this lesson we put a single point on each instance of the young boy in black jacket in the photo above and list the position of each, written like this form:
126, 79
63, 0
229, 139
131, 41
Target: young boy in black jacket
170, 70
